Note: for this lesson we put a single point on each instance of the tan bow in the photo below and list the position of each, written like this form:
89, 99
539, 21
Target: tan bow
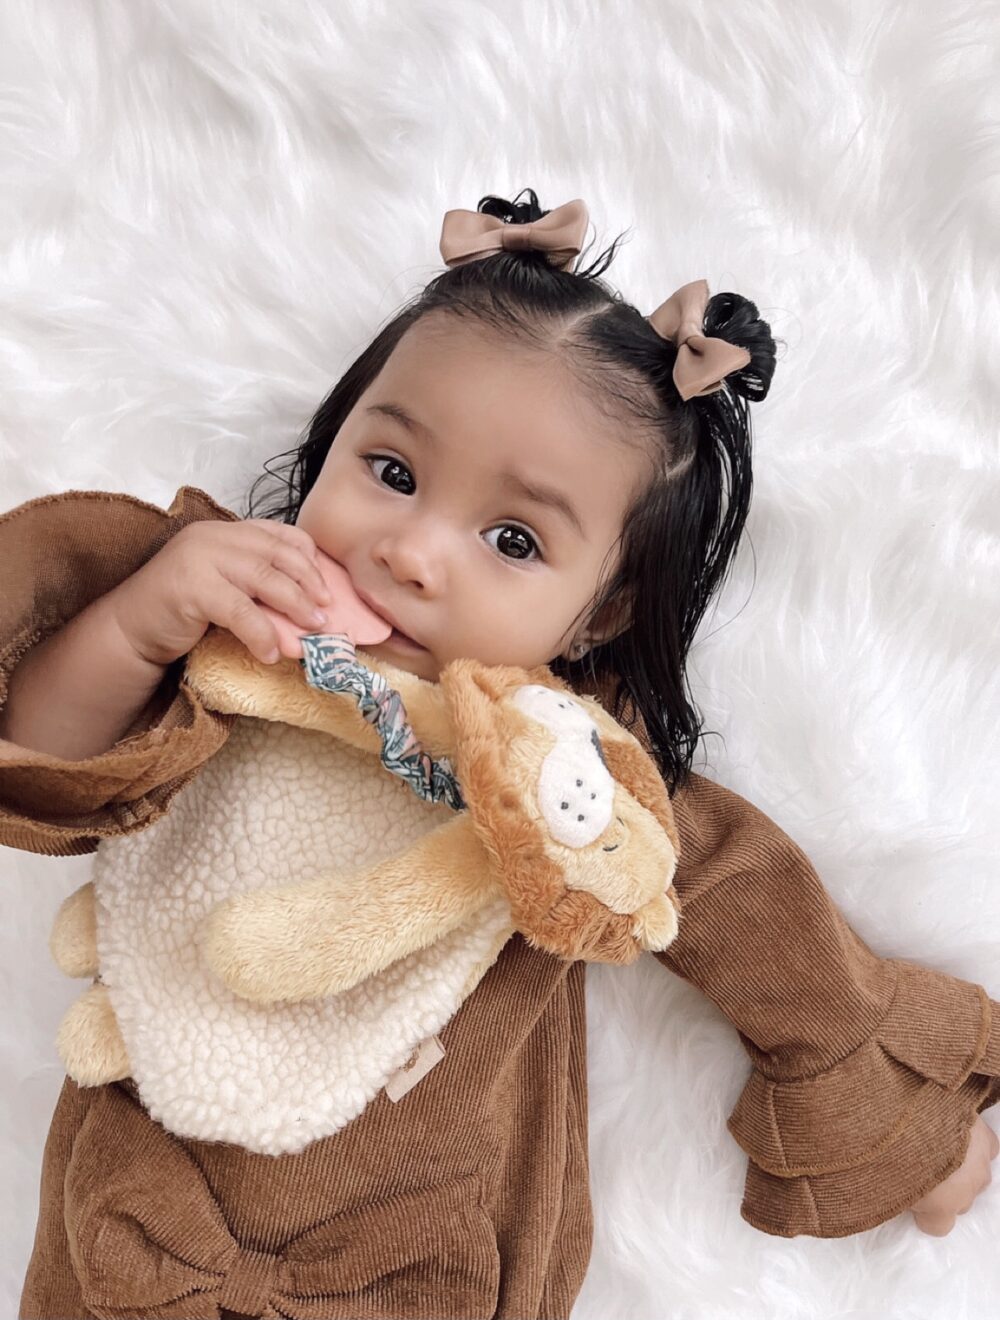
469, 235
148, 1238
702, 361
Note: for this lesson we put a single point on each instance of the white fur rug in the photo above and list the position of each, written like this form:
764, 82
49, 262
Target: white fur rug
208, 207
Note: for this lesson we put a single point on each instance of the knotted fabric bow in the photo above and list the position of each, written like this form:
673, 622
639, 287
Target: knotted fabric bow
148, 1238
470, 235
331, 664
702, 361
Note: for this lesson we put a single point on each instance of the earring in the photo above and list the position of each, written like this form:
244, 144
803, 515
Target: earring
579, 649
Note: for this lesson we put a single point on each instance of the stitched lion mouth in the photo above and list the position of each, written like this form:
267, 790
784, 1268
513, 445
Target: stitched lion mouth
612, 846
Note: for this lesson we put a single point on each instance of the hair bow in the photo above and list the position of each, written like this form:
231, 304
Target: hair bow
702, 361
469, 235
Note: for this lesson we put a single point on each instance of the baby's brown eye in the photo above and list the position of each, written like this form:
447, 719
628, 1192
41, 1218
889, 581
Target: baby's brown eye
515, 543
393, 463
518, 546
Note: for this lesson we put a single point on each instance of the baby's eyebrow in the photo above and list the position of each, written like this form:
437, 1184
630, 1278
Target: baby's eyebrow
396, 413
536, 492
546, 495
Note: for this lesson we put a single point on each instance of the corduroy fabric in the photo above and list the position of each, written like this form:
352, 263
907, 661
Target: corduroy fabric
472, 1192
489, 1149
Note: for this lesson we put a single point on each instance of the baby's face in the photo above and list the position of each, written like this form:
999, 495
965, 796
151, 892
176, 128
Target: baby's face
430, 522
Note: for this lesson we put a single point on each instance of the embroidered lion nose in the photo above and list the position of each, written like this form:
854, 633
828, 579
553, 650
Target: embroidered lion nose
249, 1282
575, 790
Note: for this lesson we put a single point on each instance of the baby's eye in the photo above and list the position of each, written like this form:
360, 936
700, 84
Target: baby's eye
393, 463
518, 547
516, 543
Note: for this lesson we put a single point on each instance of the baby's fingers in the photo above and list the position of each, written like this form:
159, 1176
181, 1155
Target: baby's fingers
936, 1212
247, 621
277, 584
295, 553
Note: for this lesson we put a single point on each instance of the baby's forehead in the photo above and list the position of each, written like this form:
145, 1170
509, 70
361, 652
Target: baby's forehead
502, 408
470, 370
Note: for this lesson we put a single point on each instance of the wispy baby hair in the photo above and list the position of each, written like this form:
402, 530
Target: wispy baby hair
680, 534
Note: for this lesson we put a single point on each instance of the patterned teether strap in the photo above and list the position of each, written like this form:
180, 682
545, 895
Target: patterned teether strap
330, 663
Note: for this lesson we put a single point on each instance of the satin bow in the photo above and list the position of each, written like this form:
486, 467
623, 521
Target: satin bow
702, 361
469, 235
148, 1239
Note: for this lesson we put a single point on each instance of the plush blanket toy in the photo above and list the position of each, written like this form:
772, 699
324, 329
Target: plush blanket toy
533, 811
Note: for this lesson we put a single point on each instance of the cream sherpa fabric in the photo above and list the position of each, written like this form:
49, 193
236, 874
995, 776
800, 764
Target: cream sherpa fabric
277, 805
209, 207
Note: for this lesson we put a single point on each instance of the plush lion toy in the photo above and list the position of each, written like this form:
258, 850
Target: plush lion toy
557, 812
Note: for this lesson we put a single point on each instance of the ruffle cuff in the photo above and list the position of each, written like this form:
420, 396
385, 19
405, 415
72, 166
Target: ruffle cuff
61, 808
850, 1147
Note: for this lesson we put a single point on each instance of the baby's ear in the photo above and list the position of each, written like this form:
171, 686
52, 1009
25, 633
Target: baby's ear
613, 618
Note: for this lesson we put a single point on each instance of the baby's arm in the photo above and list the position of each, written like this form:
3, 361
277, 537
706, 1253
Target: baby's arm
98, 729
869, 1072
76, 693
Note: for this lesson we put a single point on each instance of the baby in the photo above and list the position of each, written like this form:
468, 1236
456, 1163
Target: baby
523, 469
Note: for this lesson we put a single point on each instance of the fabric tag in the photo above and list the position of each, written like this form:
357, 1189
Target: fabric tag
421, 1061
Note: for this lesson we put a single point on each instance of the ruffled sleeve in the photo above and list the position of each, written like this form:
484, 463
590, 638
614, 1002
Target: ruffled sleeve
868, 1072
59, 553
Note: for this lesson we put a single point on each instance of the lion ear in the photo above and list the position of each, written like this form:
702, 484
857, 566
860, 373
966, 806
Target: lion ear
473, 694
494, 681
485, 720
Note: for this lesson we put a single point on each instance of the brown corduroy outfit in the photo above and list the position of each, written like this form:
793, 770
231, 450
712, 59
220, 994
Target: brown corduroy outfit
469, 1196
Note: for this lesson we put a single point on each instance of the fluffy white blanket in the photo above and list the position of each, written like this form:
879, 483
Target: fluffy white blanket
207, 209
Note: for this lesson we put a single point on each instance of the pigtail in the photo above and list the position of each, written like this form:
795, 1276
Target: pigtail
735, 318
721, 473
680, 540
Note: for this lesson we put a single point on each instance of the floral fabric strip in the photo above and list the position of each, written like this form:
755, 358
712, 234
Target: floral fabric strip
330, 663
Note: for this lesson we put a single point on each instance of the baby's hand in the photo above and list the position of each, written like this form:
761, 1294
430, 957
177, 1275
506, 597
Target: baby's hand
935, 1213
348, 614
222, 573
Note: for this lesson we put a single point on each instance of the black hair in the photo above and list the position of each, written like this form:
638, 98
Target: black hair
680, 536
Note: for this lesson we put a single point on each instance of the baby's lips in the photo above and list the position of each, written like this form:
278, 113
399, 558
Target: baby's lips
346, 613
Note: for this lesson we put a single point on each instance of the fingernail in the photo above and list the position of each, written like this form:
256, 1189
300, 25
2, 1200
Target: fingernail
318, 616
271, 657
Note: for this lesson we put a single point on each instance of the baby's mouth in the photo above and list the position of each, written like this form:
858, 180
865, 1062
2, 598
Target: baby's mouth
396, 636
405, 643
